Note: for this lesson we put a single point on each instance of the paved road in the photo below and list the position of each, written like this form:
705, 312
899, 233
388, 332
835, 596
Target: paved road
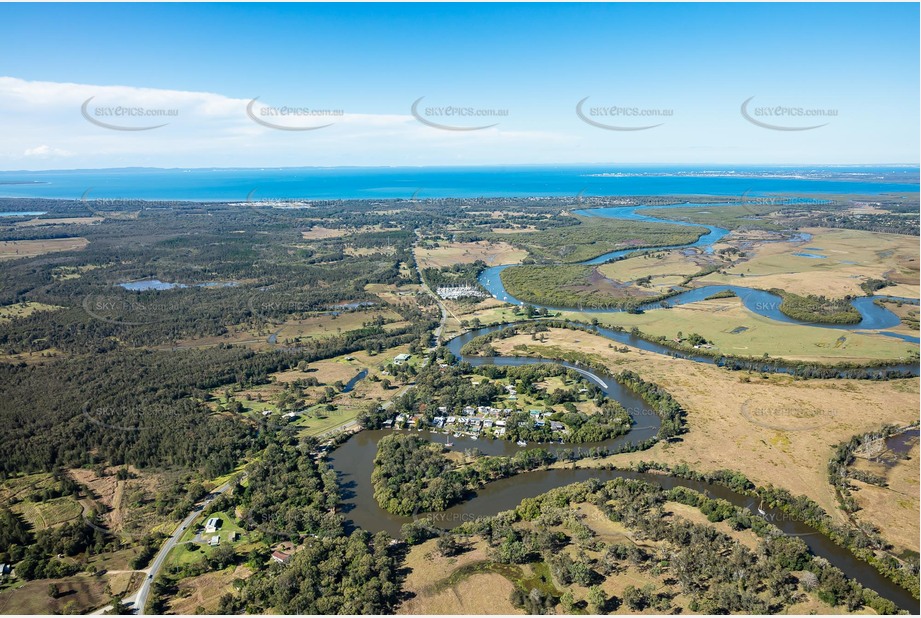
139, 599
444, 310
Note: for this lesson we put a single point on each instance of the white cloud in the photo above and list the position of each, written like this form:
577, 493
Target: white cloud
45, 151
205, 129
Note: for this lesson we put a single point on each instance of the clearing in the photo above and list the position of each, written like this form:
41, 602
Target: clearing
450, 253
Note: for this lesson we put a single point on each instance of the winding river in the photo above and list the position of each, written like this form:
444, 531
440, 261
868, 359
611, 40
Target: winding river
353, 461
873, 316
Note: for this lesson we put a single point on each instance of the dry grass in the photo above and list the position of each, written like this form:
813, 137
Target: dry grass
319, 233
716, 320
205, 591
450, 253
851, 257
329, 325
670, 263
893, 509
486, 593
776, 430
78, 594
32, 358
16, 249
480, 594
23, 310
129, 502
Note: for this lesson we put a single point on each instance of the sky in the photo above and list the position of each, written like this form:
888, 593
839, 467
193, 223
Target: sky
272, 85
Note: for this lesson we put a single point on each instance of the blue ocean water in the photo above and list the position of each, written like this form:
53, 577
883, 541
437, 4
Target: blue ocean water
460, 182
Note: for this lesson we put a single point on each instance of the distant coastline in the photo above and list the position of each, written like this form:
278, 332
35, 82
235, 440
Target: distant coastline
260, 184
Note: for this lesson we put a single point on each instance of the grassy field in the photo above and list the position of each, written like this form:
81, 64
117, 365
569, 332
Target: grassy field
716, 320
78, 594
22, 310
193, 545
202, 594
851, 258
15, 249
774, 428
66, 273
329, 324
430, 593
317, 419
450, 253
498, 313
394, 294
664, 267
20, 486
318, 232
41, 514
49, 513
131, 503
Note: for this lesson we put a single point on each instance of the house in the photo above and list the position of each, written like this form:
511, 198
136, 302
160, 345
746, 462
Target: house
451, 420
399, 359
212, 524
280, 557
555, 426
215, 540
500, 423
487, 424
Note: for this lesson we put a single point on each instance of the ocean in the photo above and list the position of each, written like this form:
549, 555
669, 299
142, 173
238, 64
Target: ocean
458, 182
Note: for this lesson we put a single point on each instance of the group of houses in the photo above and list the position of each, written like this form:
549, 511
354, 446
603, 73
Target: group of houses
453, 292
473, 421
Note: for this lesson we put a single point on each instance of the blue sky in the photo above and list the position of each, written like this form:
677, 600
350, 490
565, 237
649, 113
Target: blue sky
690, 66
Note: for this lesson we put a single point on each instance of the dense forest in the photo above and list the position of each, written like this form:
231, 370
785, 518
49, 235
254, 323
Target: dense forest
820, 309
594, 236
411, 475
565, 286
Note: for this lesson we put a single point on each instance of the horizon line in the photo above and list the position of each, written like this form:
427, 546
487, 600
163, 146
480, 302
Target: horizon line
455, 166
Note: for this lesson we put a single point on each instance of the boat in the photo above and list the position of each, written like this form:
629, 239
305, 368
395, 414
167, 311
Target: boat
456, 435
521, 443
448, 441
473, 437
761, 510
